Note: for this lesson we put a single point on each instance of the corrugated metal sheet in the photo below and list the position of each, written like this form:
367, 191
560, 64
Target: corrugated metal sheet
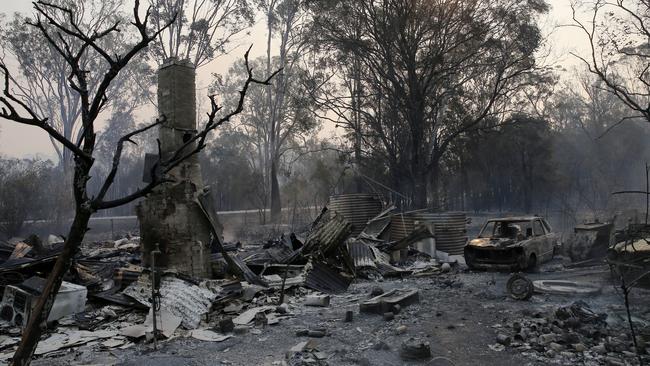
380, 257
450, 230
181, 298
324, 279
357, 208
402, 223
361, 255
327, 237
249, 275
376, 228
388, 270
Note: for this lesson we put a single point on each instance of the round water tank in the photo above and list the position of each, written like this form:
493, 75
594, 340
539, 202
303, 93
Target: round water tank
450, 230
357, 208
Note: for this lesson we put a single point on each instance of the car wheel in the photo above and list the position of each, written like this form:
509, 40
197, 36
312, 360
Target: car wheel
519, 287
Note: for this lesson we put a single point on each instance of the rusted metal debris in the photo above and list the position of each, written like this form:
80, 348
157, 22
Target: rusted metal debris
327, 237
591, 241
421, 232
322, 278
180, 297
328, 260
512, 243
246, 272
18, 300
629, 258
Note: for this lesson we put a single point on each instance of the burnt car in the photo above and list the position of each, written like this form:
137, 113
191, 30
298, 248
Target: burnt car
512, 243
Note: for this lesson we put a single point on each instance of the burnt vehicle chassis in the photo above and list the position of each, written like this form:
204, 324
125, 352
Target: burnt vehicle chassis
504, 259
506, 247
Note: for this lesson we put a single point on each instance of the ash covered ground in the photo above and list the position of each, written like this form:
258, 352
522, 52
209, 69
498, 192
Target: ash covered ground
460, 315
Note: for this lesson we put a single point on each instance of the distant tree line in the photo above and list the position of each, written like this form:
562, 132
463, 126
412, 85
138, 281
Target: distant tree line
439, 104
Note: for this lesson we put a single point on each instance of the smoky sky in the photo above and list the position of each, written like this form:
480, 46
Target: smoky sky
24, 141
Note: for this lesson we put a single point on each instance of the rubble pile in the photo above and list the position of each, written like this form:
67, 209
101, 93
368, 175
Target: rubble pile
253, 285
112, 300
630, 256
573, 333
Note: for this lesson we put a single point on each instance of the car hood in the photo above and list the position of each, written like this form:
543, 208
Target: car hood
494, 242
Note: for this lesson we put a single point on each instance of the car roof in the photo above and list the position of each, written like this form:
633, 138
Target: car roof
516, 218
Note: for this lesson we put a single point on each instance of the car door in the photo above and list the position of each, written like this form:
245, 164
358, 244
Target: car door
545, 239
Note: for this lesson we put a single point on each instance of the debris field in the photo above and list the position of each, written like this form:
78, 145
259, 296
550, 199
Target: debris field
332, 295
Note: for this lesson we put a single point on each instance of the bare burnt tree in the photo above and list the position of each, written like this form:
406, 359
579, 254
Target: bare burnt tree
430, 71
618, 32
203, 29
41, 77
279, 115
73, 43
289, 18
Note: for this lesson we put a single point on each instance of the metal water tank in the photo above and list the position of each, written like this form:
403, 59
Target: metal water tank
401, 225
357, 208
450, 230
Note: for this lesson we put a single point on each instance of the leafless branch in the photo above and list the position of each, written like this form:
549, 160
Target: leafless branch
118, 155
9, 112
194, 145
600, 67
618, 123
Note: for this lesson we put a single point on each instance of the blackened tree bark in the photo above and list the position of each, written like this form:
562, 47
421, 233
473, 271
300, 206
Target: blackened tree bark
44, 73
269, 165
445, 67
74, 44
284, 122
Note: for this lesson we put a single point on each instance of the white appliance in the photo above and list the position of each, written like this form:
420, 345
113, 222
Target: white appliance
18, 301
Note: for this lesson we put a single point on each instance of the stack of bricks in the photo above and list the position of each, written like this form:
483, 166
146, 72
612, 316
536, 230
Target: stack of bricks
171, 216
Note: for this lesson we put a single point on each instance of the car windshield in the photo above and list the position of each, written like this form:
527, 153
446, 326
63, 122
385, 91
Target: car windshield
518, 230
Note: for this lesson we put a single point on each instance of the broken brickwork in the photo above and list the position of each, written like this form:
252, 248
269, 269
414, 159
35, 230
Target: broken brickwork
172, 216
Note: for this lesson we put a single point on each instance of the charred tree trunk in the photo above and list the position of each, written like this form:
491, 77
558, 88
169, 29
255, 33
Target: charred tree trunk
527, 187
93, 101
356, 119
276, 207
416, 120
420, 190
272, 160
464, 186
434, 178
38, 319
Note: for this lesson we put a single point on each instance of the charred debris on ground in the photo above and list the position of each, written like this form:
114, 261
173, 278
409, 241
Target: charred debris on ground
108, 295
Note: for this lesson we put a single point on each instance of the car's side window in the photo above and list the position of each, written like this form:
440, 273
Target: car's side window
538, 228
